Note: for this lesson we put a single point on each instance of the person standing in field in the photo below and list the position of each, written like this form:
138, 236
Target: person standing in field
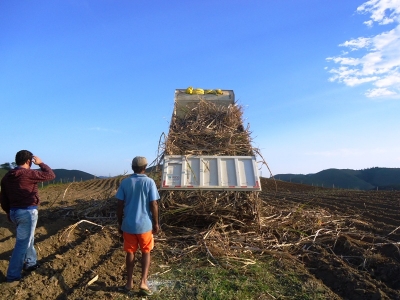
137, 213
19, 198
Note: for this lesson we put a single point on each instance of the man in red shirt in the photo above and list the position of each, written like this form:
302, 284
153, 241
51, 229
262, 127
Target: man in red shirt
19, 198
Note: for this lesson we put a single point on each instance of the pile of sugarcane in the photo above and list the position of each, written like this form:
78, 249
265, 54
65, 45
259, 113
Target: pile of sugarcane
209, 129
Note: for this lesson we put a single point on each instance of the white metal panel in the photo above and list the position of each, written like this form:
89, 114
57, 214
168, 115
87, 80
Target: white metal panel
246, 172
210, 177
174, 171
228, 172
192, 171
210, 172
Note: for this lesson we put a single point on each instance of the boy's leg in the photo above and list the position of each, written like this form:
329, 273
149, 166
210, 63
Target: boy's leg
145, 270
130, 264
146, 242
130, 247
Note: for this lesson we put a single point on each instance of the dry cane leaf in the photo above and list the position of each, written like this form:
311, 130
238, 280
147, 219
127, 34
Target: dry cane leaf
93, 280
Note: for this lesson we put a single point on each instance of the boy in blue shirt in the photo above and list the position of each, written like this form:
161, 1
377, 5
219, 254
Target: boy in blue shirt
137, 213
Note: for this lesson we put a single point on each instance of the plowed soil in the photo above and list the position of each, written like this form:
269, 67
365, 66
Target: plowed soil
346, 241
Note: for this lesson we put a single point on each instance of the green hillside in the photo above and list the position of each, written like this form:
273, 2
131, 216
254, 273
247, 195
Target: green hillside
2, 172
63, 175
72, 175
367, 179
381, 176
328, 178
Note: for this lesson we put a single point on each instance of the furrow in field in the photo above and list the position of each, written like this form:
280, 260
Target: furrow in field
69, 267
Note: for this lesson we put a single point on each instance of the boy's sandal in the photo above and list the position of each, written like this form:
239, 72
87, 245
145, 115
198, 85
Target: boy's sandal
145, 292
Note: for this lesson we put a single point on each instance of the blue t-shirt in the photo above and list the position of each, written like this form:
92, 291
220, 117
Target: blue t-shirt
137, 191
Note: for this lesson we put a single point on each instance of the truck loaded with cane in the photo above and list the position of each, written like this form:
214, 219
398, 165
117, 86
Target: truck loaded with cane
209, 168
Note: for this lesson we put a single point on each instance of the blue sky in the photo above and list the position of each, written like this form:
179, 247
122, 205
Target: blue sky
88, 85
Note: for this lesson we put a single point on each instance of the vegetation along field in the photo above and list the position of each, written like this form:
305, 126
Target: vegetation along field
306, 243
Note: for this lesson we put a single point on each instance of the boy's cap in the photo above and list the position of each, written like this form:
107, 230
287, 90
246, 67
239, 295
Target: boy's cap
139, 161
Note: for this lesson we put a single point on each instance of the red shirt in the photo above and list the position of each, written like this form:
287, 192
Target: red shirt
19, 186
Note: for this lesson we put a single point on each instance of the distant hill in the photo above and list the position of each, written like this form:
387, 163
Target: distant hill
367, 179
63, 175
2, 172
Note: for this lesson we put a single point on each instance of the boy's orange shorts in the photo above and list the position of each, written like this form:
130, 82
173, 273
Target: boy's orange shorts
144, 240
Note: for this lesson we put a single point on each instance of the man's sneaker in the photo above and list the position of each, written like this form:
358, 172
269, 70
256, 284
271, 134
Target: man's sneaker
32, 268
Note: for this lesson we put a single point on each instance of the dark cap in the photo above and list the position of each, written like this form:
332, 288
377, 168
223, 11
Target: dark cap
139, 161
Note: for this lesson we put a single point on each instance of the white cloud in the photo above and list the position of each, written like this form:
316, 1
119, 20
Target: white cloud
358, 43
345, 60
379, 92
382, 11
378, 64
350, 77
389, 80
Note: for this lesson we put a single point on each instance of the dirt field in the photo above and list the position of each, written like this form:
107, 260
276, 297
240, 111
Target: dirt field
358, 257
346, 241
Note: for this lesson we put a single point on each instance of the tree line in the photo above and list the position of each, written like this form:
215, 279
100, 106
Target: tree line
8, 166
